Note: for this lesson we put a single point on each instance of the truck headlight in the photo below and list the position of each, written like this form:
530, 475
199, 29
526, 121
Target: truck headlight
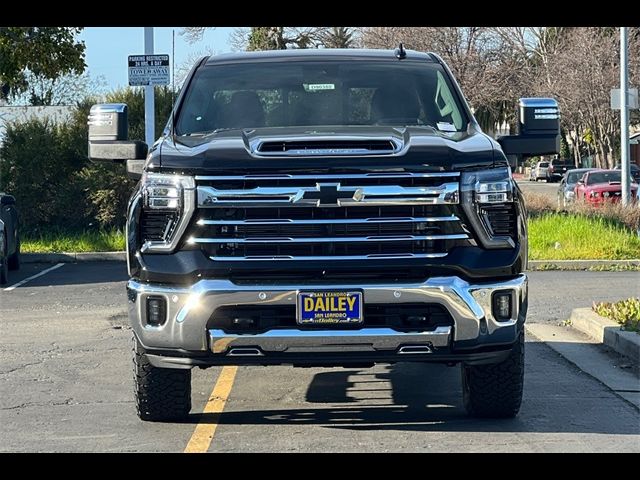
168, 203
487, 199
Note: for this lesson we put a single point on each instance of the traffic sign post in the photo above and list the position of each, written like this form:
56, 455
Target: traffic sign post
145, 70
624, 117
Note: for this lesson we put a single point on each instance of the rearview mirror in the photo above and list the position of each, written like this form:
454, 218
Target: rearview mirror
108, 135
538, 129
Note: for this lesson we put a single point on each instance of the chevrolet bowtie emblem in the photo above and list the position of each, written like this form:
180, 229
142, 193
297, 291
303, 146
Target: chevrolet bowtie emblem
329, 194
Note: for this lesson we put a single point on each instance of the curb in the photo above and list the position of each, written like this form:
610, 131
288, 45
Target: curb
580, 264
606, 331
73, 257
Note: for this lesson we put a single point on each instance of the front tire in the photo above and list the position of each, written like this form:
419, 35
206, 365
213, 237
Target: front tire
162, 394
495, 391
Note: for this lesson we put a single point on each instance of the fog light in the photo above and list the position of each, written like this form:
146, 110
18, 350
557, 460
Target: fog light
502, 306
156, 311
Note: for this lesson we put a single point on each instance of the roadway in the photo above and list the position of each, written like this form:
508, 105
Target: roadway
66, 383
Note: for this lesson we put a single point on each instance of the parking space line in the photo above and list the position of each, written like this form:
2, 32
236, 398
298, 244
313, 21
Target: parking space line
22, 282
204, 432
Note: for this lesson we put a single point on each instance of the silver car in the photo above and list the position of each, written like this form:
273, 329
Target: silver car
567, 185
539, 171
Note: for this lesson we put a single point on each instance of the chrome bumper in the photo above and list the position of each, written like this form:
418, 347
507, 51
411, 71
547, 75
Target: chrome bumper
189, 310
298, 341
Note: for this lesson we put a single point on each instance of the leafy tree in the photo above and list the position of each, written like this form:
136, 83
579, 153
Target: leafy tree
280, 38
338, 37
44, 52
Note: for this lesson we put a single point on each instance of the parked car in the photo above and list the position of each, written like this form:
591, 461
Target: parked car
634, 170
557, 168
9, 236
566, 189
597, 186
539, 171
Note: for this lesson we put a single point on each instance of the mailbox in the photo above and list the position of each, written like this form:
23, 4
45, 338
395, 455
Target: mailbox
108, 121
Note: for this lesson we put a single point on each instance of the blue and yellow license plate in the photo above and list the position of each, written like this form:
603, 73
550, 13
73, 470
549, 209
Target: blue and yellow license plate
329, 307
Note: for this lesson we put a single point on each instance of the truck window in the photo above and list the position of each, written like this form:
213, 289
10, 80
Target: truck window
319, 93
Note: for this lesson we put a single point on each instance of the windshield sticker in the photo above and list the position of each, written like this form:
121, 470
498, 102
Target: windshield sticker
317, 87
446, 127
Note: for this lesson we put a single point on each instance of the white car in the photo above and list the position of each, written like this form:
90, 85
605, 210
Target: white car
539, 171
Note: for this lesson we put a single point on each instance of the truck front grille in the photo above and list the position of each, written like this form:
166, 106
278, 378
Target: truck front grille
500, 219
309, 217
157, 226
410, 317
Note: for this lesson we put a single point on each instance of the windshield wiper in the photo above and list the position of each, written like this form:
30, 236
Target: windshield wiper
205, 133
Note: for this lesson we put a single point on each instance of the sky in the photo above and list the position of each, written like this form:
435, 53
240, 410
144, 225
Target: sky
107, 48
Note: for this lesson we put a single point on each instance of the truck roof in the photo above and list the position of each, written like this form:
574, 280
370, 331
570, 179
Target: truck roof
319, 53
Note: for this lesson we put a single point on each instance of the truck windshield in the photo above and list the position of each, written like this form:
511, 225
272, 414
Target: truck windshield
319, 93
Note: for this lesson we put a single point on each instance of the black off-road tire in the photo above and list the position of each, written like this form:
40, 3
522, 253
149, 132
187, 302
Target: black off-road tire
14, 260
495, 391
162, 394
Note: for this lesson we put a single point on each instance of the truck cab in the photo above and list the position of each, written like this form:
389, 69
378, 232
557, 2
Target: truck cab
326, 208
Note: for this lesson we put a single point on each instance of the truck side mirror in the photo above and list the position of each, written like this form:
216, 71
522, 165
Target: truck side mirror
7, 200
538, 129
108, 138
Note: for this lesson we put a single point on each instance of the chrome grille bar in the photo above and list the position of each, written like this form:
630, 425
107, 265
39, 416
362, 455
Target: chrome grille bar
311, 258
372, 238
328, 221
368, 195
336, 176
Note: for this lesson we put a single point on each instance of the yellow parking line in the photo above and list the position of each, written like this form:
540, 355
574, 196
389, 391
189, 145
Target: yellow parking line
204, 432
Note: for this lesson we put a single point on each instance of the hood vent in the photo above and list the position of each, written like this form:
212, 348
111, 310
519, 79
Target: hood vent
327, 148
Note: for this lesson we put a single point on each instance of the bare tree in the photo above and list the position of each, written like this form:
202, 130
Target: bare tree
581, 75
64, 90
475, 57
183, 69
193, 34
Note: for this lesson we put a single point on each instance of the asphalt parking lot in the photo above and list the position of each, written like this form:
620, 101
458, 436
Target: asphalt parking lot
549, 190
65, 378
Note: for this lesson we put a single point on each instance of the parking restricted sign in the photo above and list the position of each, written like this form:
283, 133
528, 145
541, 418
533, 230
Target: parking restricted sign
148, 70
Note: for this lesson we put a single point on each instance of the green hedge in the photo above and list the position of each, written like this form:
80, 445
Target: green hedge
45, 166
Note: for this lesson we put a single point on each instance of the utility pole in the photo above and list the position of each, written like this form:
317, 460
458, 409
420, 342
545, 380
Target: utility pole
149, 94
624, 117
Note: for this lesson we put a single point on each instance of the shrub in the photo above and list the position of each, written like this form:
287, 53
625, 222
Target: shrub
39, 165
625, 312
45, 167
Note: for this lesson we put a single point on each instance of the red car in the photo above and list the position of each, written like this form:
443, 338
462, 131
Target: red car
598, 186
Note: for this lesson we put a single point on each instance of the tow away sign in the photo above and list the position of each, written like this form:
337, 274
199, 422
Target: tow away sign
148, 70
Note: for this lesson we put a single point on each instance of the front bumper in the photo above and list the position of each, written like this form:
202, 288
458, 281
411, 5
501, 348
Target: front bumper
186, 332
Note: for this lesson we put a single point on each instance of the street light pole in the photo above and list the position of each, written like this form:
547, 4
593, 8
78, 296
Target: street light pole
624, 117
149, 99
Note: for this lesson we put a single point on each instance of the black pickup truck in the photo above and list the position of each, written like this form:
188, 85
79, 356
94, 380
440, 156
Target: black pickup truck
325, 208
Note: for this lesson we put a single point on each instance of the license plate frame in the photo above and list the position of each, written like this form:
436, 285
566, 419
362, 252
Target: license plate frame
333, 314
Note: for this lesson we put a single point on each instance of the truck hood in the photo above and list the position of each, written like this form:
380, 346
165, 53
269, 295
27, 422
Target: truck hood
237, 150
